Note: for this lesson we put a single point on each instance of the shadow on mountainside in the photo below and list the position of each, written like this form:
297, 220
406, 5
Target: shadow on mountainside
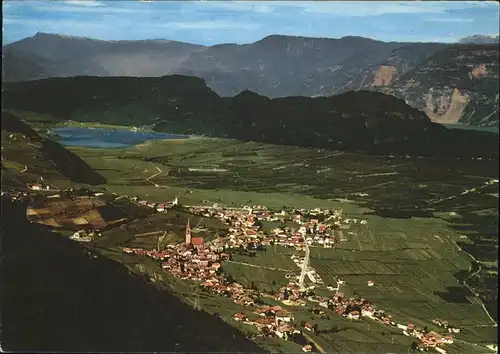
56, 298
64, 161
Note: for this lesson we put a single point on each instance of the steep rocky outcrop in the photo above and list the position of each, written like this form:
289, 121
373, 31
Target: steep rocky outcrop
384, 75
457, 84
399, 61
445, 109
365, 121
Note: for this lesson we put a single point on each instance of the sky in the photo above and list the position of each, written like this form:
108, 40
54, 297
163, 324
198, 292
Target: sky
215, 22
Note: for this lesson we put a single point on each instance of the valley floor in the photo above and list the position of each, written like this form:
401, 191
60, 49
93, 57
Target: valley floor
425, 218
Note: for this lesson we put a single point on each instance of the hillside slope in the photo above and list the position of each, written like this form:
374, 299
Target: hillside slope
23, 147
20, 66
355, 121
56, 298
280, 66
456, 85
63, 56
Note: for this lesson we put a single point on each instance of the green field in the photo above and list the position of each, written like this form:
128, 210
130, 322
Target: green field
472, 127
145, 232
278, 175
412, 260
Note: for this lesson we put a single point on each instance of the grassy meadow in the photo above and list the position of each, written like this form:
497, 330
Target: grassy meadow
414, 261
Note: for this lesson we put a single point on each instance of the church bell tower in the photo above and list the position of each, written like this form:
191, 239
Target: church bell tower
188, 233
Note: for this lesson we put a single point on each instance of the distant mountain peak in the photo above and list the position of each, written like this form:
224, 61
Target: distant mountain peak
39, 35
481, 39
249, 94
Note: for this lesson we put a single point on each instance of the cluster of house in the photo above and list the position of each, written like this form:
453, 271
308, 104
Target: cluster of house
202, 264
314, 232
38, 186
444, 324
85, 235
190, 260
244, 223
271, 320
353, 309
15, 196
159, 207
199, 261
239, 218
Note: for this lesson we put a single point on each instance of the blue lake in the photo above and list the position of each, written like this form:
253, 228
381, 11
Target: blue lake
108, 137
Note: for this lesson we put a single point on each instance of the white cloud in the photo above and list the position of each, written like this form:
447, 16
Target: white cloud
450, 19
241, 6
351, 8
80, 28
375, 8
48, 25
65, 6
91, 3
211, 25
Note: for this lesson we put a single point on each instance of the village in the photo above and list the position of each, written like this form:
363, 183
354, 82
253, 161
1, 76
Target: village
201, 261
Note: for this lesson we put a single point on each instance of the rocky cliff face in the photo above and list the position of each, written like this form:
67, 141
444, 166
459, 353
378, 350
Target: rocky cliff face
399, 61
456, 85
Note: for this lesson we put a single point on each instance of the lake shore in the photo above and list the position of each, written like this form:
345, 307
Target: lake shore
107, 137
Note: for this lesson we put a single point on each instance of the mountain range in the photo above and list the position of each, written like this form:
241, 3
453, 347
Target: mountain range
361, 121
452, 83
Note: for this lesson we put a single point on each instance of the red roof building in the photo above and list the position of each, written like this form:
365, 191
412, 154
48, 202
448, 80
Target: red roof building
197, 242
240, 317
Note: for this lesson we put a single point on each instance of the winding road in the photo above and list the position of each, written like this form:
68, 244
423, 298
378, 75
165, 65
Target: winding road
471, 275
153, 176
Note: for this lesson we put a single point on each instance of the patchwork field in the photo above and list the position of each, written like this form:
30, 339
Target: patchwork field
276, 176
412, 262
417, 246
283, 172
144, 232
82, 212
